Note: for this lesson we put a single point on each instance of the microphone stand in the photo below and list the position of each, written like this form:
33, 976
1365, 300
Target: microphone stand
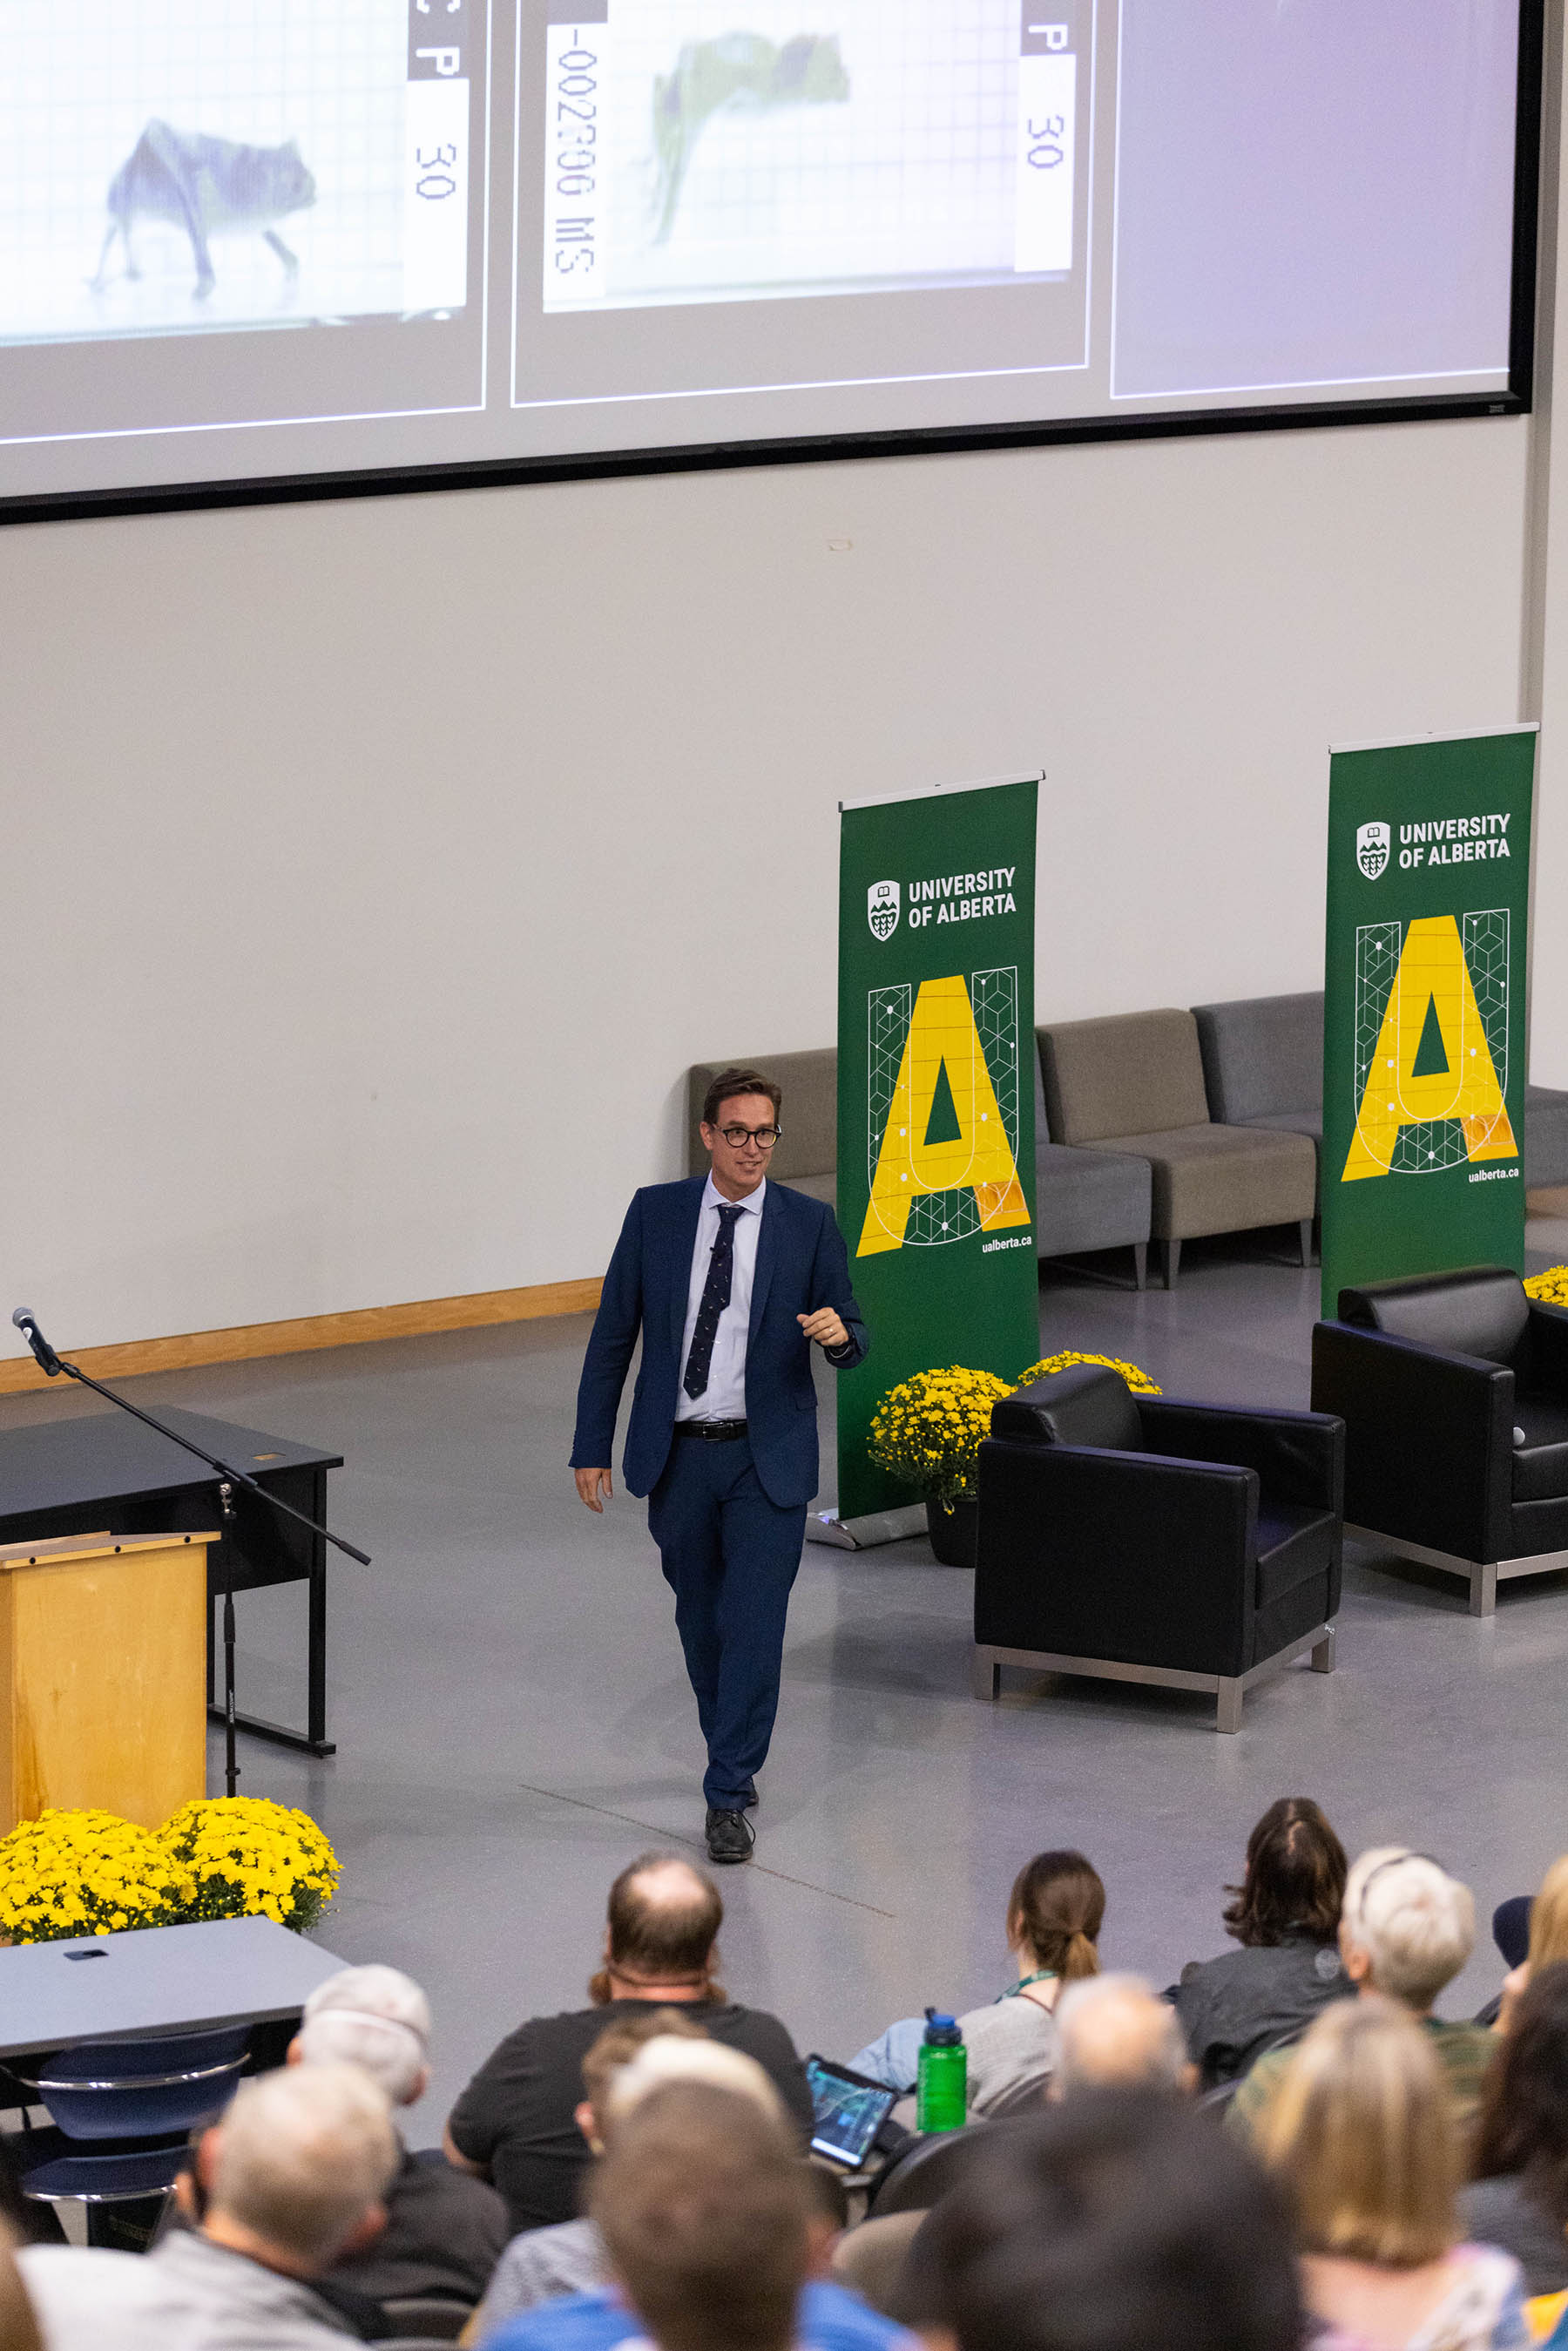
229, 1478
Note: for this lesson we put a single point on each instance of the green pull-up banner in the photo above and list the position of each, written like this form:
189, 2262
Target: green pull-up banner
935, 1097
1423, 1107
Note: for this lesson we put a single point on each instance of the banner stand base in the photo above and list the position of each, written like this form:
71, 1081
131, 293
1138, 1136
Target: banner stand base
864, 1534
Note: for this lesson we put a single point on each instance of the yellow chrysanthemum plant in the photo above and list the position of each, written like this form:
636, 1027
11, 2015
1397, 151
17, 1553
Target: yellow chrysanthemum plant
1550, 1287
927, 1430
89, 1873
249, 1858
1140, 1382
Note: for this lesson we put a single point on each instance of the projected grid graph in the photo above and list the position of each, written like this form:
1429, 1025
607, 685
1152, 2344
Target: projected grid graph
222, 75
771, 146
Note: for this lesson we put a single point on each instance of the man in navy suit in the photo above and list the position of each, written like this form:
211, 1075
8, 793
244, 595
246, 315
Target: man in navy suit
732, 1280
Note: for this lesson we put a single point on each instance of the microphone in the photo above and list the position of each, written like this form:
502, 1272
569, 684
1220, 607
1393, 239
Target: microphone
43, 1353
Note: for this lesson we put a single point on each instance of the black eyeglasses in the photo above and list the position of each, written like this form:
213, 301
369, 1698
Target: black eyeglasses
764, 1137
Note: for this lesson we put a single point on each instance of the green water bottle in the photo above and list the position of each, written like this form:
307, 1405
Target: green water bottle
942, 2088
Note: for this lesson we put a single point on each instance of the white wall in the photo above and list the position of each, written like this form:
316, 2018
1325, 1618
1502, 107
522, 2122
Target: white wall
376, 869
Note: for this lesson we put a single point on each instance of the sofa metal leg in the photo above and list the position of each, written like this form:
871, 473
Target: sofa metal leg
985, 1674
1322, 1654
1306, 1241
1228, 1707
1483, 1587
1140, 1263
1172, 1263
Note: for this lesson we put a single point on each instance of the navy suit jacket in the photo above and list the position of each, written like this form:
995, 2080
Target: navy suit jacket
801, 1264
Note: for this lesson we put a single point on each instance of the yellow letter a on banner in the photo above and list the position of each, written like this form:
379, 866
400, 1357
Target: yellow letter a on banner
943, 1034
1411, 1084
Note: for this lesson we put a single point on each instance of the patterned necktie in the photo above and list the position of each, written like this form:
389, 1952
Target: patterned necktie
715, 1298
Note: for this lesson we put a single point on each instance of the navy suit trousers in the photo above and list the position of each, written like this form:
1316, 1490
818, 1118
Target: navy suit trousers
729, 1556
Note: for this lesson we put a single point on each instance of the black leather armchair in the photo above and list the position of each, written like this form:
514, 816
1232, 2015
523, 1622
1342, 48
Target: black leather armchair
1142, 1539
1453, 1388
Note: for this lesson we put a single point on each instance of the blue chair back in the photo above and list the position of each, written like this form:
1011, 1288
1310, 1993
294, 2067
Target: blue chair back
142, 2089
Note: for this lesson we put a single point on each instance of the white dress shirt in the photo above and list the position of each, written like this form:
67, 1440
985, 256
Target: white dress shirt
725, 1398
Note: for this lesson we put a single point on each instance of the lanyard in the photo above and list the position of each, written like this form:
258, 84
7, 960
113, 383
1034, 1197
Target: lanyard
1041, 1975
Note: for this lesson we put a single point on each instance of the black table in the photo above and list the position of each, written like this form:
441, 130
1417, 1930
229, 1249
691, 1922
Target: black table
104, 1472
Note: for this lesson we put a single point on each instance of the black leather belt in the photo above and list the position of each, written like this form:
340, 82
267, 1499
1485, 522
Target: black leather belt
712, 1432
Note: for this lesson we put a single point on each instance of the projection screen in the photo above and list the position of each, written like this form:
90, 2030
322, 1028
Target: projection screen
283, 247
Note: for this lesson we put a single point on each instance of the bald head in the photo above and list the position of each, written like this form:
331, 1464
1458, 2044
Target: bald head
664, 1917
1117, 2034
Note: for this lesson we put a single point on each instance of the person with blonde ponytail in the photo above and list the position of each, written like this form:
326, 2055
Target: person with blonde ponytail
1054, 1917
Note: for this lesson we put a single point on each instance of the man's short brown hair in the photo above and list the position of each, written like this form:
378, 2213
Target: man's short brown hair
703, 2202
618, 2043
730, 1082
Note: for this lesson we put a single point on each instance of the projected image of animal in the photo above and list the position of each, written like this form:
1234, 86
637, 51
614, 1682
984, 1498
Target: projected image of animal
207, 187
740, 70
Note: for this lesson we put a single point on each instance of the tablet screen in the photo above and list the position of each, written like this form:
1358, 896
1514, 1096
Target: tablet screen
847, 2112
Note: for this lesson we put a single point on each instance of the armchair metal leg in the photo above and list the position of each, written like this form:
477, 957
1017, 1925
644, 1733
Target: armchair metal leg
1228, 1708
1306, 1241
1140, 1263
1172, 1261
1323, 1655
985, 1674
1483, 1587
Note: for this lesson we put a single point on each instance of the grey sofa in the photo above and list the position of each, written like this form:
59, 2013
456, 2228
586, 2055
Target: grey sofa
1086, 1200
1134, 1083
1545, 1138
1263, 1062
1082, 1199
1262, 1066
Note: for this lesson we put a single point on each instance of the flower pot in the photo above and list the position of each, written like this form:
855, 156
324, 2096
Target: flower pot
954, 1533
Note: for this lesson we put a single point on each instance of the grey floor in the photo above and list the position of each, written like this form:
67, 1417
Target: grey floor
513, 1723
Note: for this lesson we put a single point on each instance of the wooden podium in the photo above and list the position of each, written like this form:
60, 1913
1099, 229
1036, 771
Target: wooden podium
103, 1660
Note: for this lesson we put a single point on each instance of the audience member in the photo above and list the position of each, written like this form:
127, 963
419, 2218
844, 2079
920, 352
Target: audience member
1120, 2220
1285, 1917
1518, 2198
444, 2231
1054, 1917
515, 2122
1545, 1920
706, 2208
543, 2264
1405, 1930
1116, 2033
1361, 2132
287, 2182
18, 2327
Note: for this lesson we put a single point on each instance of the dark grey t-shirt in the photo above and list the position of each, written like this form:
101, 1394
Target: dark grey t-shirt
1497, 2212
1235, 2007
517, 2115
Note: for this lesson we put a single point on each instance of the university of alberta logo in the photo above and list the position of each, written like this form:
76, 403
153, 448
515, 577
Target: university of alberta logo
1372, 849
882, 908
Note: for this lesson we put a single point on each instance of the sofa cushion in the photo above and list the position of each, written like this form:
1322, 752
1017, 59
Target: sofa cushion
1291, 1122
1138, 1072
1261, 1055
808, 1118
1480, 1309
1088, 1200
1541, 1463
1088, 1403
1225, 1179
1293, 1544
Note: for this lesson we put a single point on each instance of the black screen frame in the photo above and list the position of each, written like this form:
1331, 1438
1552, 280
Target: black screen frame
694, 457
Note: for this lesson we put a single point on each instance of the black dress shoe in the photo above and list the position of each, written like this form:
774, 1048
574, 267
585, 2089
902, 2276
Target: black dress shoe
749, 1797
731, 1835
